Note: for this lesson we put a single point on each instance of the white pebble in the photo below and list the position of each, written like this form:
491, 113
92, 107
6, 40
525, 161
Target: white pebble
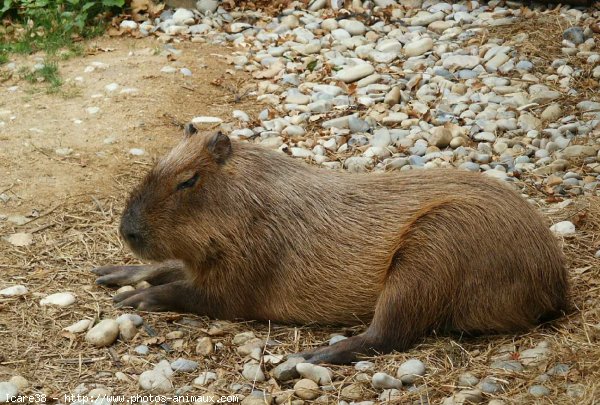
103, 334
79, 326
241, 115
128, 25
354, 73
418, 47
7, 392
111, 87
20, 382
59, 299
127, 330
318, 374
20, 239
384, 381
14, 291
206, 120
563, 228
135, 318
205, 378
410, 370
157, 379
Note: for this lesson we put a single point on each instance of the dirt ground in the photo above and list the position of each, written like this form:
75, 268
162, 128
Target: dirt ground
71, 205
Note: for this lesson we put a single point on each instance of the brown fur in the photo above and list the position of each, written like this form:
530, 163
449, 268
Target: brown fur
266, 237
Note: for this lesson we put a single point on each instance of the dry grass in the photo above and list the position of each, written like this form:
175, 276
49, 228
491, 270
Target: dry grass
81, 233
544, 45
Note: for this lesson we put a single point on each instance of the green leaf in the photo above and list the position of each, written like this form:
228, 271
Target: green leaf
87, 6
113, 3
7, 6
312, 65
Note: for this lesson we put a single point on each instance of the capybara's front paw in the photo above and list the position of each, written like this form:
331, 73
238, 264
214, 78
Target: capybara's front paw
115, 276
143, 300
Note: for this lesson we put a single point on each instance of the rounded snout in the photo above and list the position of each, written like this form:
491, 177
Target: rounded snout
131, 230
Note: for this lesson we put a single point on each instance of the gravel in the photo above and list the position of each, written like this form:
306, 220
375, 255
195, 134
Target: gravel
421, 90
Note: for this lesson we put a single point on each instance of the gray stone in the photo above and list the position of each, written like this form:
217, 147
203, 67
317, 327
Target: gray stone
142, 350
524, 65
489, 386
574, 35
467, 380
508, 365
559, 369
539, 391
184, 365
287, 370
253, 372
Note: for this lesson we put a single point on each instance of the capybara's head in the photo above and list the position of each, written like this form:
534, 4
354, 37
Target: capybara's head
167, 210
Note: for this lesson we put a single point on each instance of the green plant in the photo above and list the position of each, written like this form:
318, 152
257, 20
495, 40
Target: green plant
49, 25
48, 73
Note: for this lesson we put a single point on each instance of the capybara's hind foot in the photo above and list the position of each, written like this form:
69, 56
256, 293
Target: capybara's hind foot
343, 352
155, 274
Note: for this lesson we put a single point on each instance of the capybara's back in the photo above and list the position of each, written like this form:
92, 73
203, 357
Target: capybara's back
263, 236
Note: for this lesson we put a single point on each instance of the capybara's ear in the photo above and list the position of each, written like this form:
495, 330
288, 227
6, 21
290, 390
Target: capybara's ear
189, 129
219, 146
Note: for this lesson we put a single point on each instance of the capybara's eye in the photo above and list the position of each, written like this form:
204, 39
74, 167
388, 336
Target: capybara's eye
189, 182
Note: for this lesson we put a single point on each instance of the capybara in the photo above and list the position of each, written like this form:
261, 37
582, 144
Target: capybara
239, 231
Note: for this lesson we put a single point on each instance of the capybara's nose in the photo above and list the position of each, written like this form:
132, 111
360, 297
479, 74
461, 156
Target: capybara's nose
130, 231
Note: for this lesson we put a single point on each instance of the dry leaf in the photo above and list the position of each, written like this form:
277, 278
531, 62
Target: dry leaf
141, 9
157, 340
68, 335
115, 32
582, 270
